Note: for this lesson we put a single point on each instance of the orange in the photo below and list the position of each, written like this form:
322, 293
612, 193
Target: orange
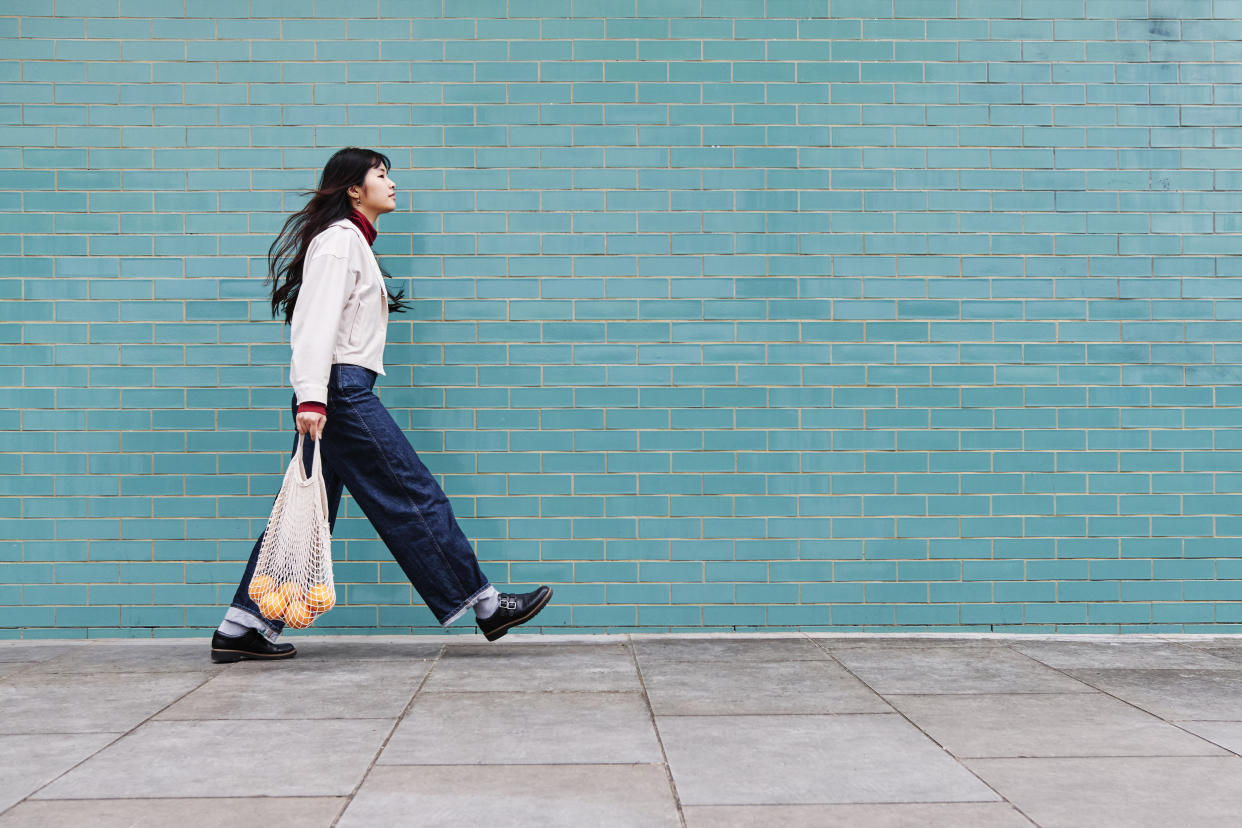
291, 592
261, 585
321, 598
272, 605
298, 615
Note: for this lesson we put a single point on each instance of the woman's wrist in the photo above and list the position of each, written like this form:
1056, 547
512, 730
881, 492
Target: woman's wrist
312, 408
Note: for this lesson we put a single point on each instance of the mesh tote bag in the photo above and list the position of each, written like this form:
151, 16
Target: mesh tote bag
293, 577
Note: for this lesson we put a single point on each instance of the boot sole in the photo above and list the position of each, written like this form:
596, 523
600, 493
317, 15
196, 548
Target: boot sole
499, 631
233, 656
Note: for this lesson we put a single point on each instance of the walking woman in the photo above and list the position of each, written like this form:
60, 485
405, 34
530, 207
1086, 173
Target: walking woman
326, 281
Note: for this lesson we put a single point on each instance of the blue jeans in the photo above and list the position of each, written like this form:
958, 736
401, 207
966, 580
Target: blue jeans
363, 449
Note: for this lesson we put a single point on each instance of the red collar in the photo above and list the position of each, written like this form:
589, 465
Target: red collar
368, 230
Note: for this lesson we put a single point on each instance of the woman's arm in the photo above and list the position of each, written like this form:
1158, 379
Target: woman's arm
326, 284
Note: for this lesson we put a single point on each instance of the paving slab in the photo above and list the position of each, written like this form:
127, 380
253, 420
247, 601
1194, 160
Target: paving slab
30, 761
556, 796
716, 650
787, 760
305, 690
938, 669
1173, 694
1052, 724
1126, 792
179, 759
560, 667
725, 687
114, 702
524, 728
223, 812
1122, 655
921, 815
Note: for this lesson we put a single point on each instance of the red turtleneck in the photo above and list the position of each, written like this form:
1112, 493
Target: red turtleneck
364, 224
369, 233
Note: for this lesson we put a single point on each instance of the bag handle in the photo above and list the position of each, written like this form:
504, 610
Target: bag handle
316, 475
316, 464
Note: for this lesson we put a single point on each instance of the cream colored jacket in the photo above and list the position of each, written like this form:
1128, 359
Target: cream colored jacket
341, 313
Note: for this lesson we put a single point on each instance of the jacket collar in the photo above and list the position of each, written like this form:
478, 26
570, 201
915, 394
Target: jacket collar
353, 228
345, 222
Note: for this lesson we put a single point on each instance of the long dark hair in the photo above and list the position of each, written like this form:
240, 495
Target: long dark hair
329, 202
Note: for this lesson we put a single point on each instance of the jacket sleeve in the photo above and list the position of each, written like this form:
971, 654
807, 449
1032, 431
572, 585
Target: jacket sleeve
327, 281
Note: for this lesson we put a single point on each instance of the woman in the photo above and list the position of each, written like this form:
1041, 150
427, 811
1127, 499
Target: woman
331, 289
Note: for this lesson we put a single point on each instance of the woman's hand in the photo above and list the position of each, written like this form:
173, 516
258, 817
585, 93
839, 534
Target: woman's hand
312, 422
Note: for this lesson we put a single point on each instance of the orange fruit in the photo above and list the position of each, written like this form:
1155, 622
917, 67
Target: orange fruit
261, 585
321, 598
291, 592
272, 605
298, 615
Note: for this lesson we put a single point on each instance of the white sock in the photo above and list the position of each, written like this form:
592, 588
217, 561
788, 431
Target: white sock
231, 628
487, 603
236, 622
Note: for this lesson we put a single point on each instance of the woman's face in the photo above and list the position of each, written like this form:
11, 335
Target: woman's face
377, 194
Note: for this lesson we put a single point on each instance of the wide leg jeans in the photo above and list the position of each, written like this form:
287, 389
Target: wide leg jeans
364, 450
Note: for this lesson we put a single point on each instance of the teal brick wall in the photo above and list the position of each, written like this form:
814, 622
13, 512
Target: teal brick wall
818, 314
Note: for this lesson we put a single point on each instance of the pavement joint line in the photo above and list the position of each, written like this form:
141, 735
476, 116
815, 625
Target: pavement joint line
434, 692
1107, 756
349, 800
539, 764
530, 692
998, 693
1171, 723
88, 732
928, 736
119, 737
202, 798
278, 719
773, 715
1204, 738
886, 802
655, 726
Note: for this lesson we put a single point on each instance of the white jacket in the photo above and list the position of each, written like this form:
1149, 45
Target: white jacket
341, 313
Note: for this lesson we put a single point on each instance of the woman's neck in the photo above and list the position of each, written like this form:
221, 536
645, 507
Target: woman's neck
364, 224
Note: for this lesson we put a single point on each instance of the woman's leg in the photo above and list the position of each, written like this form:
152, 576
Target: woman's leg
403, 501
243, 613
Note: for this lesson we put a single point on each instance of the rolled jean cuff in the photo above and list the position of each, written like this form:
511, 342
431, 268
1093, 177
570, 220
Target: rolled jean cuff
487, 589
246, 618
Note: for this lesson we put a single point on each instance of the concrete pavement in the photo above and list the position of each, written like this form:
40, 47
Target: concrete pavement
713, 730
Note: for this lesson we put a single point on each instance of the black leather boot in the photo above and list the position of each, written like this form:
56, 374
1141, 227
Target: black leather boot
227, 649
513, 610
